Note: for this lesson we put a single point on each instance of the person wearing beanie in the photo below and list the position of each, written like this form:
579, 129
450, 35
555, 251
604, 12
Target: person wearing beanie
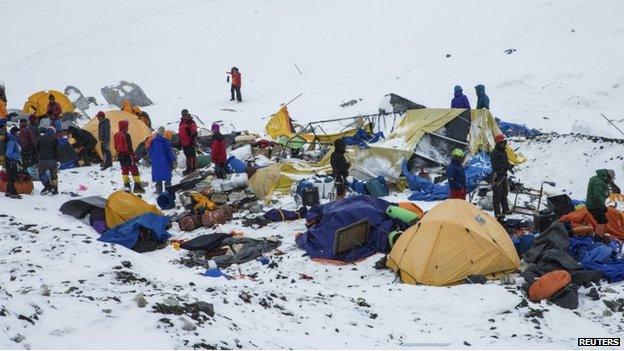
460, 100
27, 144
340, 168
48, 151
217, 151
500, 167
12, 159
457, 176
235, 88
187, 131
104, 136
483, 101
127, 159
163, 160
3, 140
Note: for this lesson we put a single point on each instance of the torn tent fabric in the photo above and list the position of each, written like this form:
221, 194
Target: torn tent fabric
581, 217
478, 168
279, 215
516, 130
318, 241
127, 234
597, 256
207, 242
362, 138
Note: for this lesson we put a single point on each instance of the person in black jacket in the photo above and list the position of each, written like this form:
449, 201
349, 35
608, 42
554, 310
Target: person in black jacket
340, 168
500, 167
85, 142
104, 136
47, 149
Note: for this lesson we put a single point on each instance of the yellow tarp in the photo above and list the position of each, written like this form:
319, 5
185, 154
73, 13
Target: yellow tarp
418, 122
139, 132
38, 102
279, 124
122, 207
453, 240
483, 129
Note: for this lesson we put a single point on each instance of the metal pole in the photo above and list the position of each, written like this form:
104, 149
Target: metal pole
611, 123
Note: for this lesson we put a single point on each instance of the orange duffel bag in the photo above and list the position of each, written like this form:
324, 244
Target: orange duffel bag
23, 185
549, 284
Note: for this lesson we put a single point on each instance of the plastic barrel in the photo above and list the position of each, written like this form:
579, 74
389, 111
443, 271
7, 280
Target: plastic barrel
401, 214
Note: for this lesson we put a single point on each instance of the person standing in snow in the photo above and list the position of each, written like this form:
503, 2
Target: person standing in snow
457, 176
483, 101
597, 194
85, 142
163, 160
12, 159
340, 168
3, 140
500, 167
235, 88
460, 100
47, 149
187, 132
104, 136
218, 152
127, 158
27, 144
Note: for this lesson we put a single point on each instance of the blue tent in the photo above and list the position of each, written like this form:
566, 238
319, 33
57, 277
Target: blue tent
127, 234
514, 129
478, 168
597, 256
362, 138
318, 241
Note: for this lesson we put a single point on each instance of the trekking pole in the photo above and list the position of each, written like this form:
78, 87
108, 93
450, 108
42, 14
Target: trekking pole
297, 67
611, 123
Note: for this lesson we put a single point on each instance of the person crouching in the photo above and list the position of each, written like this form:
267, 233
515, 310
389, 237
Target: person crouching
457, 176
127, 158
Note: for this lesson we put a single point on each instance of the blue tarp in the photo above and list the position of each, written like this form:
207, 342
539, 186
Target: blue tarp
127, 234
362, 138
514, 129
597, 256
318, 241
362, 188
234, 165
479, 168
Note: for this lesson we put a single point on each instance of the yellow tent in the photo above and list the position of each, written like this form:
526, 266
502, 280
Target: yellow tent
122, 207
279, 124
139, 132
38, 102
453, 240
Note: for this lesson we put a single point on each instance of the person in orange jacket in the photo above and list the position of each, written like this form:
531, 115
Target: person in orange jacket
236, 84
127, 158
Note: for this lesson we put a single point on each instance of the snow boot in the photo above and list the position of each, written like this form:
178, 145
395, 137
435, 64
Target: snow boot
54, 187
47, 188
159, 188
137, 185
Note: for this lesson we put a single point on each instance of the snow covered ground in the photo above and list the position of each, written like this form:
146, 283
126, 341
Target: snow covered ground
60, 288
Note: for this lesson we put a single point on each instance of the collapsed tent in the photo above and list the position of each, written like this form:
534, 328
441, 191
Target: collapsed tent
139, 132
582, 217
393, 103
80, 208
116, 94
37, 103
516, 130
148, 227
325, 239
452, 241
122, 206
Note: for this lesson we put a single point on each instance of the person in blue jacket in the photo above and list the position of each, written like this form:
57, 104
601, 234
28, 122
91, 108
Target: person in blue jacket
483, 101
457, 176
460, 100
163, 160
12, 159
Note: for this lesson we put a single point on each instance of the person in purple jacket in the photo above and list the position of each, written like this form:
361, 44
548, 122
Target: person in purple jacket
460, 100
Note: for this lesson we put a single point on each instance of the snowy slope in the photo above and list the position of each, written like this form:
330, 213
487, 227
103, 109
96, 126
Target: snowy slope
566, 67
179, 52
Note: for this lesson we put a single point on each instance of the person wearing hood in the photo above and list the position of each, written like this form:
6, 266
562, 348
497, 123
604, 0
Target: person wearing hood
500, 168
85, 143
54, 112
460, 100
127, 159
483, 101
12, 159
235, 88
340, 168
597, 194
163, 160
457, 176
27, 144
48, 151
104, 135
218, 152
187, 131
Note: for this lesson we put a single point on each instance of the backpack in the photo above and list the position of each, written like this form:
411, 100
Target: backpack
549, 284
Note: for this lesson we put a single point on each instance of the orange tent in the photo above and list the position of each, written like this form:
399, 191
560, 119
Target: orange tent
581, 217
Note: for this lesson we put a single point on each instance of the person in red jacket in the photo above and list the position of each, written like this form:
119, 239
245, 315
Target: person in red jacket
127, 158
188, 135
236, 84
54, 108
217, 149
